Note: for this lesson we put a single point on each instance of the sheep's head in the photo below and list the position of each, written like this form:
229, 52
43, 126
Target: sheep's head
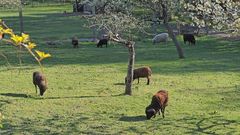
149, 113
43, 87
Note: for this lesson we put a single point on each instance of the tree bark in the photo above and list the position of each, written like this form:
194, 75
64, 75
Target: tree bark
170, 31
176, 43
131, 60
21, 17
128, 88
154, 24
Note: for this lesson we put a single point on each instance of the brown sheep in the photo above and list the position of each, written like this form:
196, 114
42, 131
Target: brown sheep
159, 102
75, 42
40, 80
143, 72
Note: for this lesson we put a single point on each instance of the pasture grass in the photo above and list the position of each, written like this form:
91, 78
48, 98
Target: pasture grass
85, 94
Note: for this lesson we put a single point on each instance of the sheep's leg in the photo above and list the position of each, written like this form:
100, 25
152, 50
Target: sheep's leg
162, 110
148, 81
36, 88
138, 80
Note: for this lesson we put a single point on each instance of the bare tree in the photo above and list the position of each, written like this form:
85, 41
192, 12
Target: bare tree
119, 23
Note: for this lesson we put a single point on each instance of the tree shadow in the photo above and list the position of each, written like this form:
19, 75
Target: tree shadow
4, 102
133, 118
119, 84
206, 125
19, 95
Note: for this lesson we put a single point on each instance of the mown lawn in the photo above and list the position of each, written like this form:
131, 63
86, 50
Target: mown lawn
85, 94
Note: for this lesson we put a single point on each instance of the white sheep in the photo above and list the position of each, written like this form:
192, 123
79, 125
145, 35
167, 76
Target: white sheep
163, 37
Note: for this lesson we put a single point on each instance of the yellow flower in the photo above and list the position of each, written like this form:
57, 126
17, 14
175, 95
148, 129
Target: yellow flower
17, 39
42, 55
25, 38
7, 31
31, 45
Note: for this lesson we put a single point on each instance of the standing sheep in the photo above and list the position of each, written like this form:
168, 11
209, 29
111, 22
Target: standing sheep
158, 103
189, 38
40, 80
143, 72
75, 42
163, 37
102, 42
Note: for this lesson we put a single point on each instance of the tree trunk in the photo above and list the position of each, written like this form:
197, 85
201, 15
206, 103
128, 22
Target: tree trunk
173, 36
128, 88
170, 31
154, 24
21, 17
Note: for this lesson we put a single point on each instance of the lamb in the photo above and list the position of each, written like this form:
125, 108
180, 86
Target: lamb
40, 80
158, 103
189, 38
75, 42
143, 72
163, 37
102, 42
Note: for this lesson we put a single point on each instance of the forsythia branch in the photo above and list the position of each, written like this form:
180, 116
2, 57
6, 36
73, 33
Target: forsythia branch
22, 40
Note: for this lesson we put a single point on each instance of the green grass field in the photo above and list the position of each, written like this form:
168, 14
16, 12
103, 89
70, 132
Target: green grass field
85, 94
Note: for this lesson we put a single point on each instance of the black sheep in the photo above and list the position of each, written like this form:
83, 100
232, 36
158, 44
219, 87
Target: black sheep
75, 42
102, 42
40, 80
158, 103
189, 38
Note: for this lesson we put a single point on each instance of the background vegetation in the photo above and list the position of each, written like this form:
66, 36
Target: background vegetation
86, 84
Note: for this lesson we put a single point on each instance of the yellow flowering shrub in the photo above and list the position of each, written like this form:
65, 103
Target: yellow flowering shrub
22, 40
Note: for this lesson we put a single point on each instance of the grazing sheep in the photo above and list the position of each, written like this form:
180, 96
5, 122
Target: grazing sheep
163, 37
102, 42
143, 72
189, 38
75, 42
40, 80
158, 103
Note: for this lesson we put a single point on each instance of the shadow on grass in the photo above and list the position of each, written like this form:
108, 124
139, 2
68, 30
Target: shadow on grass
209, 54
78, 122
69, 97
133, 118
20, 95
119, 84
4, 102
208, 125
